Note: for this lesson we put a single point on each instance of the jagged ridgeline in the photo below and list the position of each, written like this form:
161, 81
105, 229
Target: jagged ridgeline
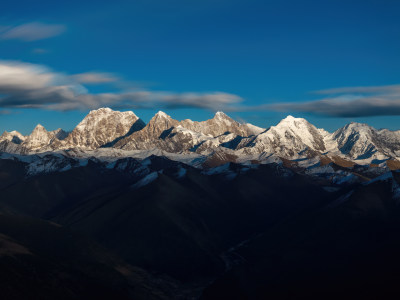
105, 131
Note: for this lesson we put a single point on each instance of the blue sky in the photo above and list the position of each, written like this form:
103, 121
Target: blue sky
257, 60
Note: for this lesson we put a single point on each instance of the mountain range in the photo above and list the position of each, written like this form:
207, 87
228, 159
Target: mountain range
292, 139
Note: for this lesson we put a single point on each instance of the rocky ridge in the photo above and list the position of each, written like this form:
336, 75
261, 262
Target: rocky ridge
293, 139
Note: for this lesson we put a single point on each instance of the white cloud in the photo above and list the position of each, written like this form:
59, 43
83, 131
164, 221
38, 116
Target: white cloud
350, 102
31, 31
24, 85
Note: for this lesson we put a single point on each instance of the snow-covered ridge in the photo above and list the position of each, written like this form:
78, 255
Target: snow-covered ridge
13, 136
292, 138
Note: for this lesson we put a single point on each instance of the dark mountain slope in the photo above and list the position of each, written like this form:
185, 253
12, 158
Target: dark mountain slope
11, 172
39, 195
178, 224
346, 250
41, 260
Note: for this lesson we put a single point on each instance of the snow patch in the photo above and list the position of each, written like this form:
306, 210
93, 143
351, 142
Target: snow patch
146, 180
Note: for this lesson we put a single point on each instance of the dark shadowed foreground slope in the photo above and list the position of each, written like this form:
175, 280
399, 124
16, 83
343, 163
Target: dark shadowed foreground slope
346, 250
176, 220
42, 260
236, 231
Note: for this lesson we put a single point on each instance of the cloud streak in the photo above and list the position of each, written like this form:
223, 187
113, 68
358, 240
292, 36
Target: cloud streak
349, 102
31, 31
24, 85
95, 77
383, 89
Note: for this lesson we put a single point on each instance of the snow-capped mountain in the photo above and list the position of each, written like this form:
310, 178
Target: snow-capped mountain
38, 139
10, 141
221, 124
60, 134
150, 135
12, 136
170, 135
361, 141
101, 127
292, 139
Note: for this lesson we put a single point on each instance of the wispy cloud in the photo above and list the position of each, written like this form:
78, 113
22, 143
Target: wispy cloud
31, 31
24, 85
95, 77
382, 89
349, 102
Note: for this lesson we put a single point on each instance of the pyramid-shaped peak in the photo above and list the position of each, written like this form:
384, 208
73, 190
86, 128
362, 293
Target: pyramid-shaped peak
38, 138
221, 115
161, 115
39, 127
39, 130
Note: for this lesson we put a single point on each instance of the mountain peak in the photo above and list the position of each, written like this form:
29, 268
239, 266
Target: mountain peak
38, 138
292, 119
354, 127
101, 110
219, 115
6, 133
293, 123
358, 140
13, 136
59, 134
109, 111
106, 113
101, 127
39, 127
14, 132
292, 136
162, 120
162, 114
357, 125
222, 117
